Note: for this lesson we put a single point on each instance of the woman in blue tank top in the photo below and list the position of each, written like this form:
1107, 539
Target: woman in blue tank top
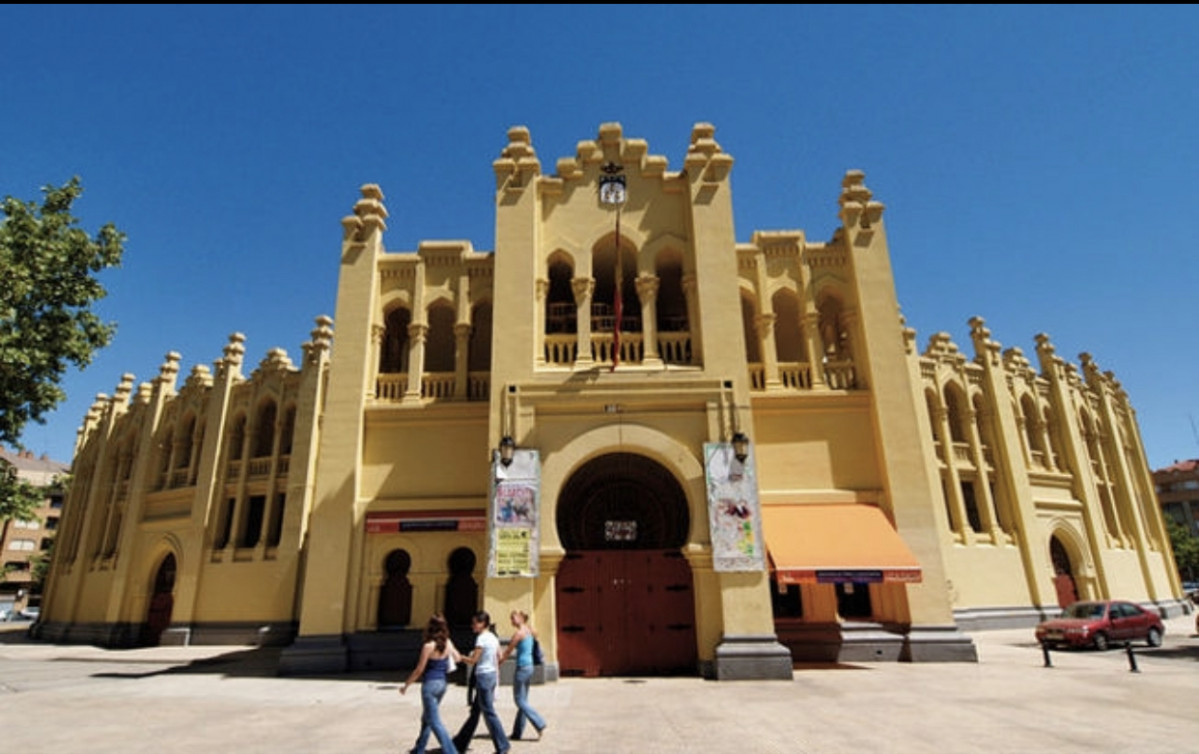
522, 646
434, 664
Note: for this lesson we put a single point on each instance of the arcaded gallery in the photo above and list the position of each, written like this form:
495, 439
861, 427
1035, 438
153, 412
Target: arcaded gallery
679, 453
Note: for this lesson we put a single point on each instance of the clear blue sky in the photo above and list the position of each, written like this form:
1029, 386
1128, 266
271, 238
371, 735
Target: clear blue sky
1035, 161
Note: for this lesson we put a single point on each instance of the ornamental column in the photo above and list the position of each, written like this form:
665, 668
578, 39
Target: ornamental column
583, 288
541, 290
814, 345
764, 331
417, 334
647, 293
461, 360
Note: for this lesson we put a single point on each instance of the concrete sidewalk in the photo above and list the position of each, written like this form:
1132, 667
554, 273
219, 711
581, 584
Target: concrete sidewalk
74, 699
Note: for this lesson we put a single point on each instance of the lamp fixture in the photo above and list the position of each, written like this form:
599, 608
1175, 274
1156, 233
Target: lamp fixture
507, 450
740, 446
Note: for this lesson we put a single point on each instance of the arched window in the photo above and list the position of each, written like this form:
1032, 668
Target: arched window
289, 430
834, 332
461, 590
264, 430
603, 302
560, 309
393, 356
788, 335
237, 438
395, 597
957, 417
439, 345
1032, 430
183, 455
480, 338
672, 302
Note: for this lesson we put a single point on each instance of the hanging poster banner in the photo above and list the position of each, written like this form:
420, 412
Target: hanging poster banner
734, 515
514, 515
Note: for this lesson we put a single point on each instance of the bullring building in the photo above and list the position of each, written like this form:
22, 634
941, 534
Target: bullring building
678, 452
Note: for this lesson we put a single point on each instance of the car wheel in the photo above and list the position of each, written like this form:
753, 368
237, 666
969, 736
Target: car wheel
1101, 641
1154, 639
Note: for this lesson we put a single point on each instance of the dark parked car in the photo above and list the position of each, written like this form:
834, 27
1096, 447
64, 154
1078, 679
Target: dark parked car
1100, 624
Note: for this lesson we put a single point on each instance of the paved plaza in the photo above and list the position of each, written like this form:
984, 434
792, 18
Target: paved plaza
70, 699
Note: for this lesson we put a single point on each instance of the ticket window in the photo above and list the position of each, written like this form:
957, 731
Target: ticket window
786, 599
853, 601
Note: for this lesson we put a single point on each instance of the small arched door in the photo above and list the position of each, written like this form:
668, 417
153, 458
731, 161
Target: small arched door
395, 596
1063, 573
625, 600
162, 601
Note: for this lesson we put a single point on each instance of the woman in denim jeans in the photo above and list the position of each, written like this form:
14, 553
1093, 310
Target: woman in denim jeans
485, 658
522, 646
435, 657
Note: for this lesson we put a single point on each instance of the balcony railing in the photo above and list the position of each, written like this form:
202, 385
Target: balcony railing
795, 375
391, 386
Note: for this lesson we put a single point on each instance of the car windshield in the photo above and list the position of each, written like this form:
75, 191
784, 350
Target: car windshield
1084, 610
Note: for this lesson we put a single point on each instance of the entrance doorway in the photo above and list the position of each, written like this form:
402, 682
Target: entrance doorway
626, 604
1063, 573
162, 601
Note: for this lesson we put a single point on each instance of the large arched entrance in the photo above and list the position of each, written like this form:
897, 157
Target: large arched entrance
162, 602
625, 601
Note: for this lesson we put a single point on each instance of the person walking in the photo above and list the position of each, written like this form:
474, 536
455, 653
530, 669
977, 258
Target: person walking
485, 659
436, 655
522, 646
464, 735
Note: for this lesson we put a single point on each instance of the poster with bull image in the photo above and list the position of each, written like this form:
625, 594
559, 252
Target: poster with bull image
515, 498
733, 512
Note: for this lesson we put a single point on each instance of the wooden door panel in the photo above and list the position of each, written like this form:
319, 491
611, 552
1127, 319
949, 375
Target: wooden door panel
624, 612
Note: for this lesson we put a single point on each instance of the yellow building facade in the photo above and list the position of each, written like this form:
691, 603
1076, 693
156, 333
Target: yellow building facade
677, 452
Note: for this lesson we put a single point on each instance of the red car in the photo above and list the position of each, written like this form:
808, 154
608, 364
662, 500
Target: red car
1100, 624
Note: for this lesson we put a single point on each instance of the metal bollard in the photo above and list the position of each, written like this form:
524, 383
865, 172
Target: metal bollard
1045, 652
1132, 658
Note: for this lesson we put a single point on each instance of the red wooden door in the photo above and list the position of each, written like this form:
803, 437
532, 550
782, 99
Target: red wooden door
623, 612
1066, 594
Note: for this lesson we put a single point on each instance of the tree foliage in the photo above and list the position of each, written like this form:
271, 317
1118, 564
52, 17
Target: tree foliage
19, 500
48, 269
1185, 545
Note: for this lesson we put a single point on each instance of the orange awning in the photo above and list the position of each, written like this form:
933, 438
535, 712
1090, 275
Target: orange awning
828, 544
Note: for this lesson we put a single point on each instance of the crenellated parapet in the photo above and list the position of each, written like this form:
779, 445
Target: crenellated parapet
317, 349
942, 348
517, 164
705, 160
859, 214
229, 366
610, 148
369, 218
275, 363
199, 379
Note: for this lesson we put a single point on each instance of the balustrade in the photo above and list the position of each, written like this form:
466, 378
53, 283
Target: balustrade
674, 347
840, 375
795, 375
437, 385
259, 467
961, 453
757, 377
391, 386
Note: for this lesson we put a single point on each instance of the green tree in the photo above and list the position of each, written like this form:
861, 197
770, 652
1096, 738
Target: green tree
1186, 548
19, 499
40, 569
48, 268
